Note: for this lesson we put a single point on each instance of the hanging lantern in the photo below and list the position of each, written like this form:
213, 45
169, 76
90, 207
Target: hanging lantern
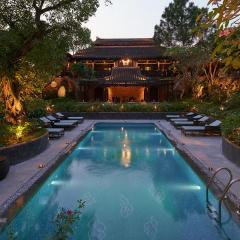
62, 92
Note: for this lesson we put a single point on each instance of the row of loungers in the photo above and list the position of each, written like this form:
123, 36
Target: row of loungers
57, 125
195, 124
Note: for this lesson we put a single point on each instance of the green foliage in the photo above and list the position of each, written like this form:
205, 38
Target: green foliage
68, 105
65, 220
82, 71
231, 127
177, 24
225, 15
20, 133
34, 39
37, 107
233, 102
63, 223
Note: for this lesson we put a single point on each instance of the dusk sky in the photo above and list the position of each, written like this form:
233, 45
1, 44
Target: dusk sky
129, 18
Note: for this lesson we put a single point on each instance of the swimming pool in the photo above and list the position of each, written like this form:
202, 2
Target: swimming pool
136, 186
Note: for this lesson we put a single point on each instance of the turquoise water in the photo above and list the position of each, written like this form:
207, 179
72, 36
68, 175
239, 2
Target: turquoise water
136, 186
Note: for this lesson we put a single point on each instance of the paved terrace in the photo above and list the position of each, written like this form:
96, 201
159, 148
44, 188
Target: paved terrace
205, 151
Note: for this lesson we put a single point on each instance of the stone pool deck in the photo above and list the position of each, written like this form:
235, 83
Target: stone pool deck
204, 151
22, 176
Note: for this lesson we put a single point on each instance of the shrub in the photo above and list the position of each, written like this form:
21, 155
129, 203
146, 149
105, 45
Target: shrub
11, 134
231, 127
233, 102
37, 107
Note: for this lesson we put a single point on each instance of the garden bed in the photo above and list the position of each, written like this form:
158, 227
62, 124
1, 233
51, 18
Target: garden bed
18, 153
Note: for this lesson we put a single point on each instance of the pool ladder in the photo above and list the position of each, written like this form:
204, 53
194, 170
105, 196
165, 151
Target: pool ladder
226, 189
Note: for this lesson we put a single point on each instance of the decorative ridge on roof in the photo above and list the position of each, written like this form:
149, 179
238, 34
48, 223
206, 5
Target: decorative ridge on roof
124, 42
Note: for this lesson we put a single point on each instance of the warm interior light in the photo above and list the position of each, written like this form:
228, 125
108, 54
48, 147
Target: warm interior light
62, 92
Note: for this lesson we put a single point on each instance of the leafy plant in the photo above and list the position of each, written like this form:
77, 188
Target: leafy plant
177, 23
225, 15
65, 220
13, 134
231, 127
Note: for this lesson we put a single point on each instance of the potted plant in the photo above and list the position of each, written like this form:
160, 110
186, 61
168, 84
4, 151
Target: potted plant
4, 167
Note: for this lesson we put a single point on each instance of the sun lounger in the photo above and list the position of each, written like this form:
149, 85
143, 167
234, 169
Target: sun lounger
173, 116
55, 132
65, 125
61, 116
55, 120
178, 116
209, 129
201, 121
194, 118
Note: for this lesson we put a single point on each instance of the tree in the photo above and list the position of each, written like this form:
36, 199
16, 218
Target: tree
225, 15
35, 36
189, 65
177, 24
81, 70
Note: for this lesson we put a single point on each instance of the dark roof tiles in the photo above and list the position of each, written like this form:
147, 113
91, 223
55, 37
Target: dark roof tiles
122, 48
126, 74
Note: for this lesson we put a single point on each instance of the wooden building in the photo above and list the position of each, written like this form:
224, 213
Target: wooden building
125, 70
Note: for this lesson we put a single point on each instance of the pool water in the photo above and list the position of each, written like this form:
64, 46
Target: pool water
136, 186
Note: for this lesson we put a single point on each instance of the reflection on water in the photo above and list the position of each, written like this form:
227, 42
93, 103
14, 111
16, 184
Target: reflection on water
136, 186
126, 151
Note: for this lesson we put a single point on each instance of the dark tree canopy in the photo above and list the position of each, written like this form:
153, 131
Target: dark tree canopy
39, 31
35, 36
177, 24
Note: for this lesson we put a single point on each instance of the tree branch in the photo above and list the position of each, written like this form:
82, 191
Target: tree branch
56, 6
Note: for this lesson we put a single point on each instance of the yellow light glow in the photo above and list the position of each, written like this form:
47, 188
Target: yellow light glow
19, 131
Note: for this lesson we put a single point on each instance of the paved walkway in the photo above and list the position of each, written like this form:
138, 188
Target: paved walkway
206, 151
20, 174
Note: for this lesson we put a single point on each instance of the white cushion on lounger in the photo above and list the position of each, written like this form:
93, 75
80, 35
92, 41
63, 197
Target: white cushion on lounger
179, 119
58, 130
197, 128
215, 123
184, 123
75, 118
173, 116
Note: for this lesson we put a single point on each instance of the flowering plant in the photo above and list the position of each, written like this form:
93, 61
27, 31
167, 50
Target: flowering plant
225, 15
65, 220
64, 223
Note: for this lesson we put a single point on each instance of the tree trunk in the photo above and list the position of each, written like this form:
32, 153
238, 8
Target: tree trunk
14, 109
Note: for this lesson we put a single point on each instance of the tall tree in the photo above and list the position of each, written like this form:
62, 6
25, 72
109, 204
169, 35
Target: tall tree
34, 38
177, 24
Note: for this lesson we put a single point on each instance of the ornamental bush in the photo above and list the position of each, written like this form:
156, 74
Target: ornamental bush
231, 127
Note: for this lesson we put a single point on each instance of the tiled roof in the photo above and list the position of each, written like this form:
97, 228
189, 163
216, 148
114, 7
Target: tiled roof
124, 42
126, 74
121, 48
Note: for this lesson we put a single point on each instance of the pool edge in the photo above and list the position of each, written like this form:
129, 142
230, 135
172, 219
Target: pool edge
10, 208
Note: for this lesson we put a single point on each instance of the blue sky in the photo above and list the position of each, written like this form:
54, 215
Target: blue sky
129, 18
